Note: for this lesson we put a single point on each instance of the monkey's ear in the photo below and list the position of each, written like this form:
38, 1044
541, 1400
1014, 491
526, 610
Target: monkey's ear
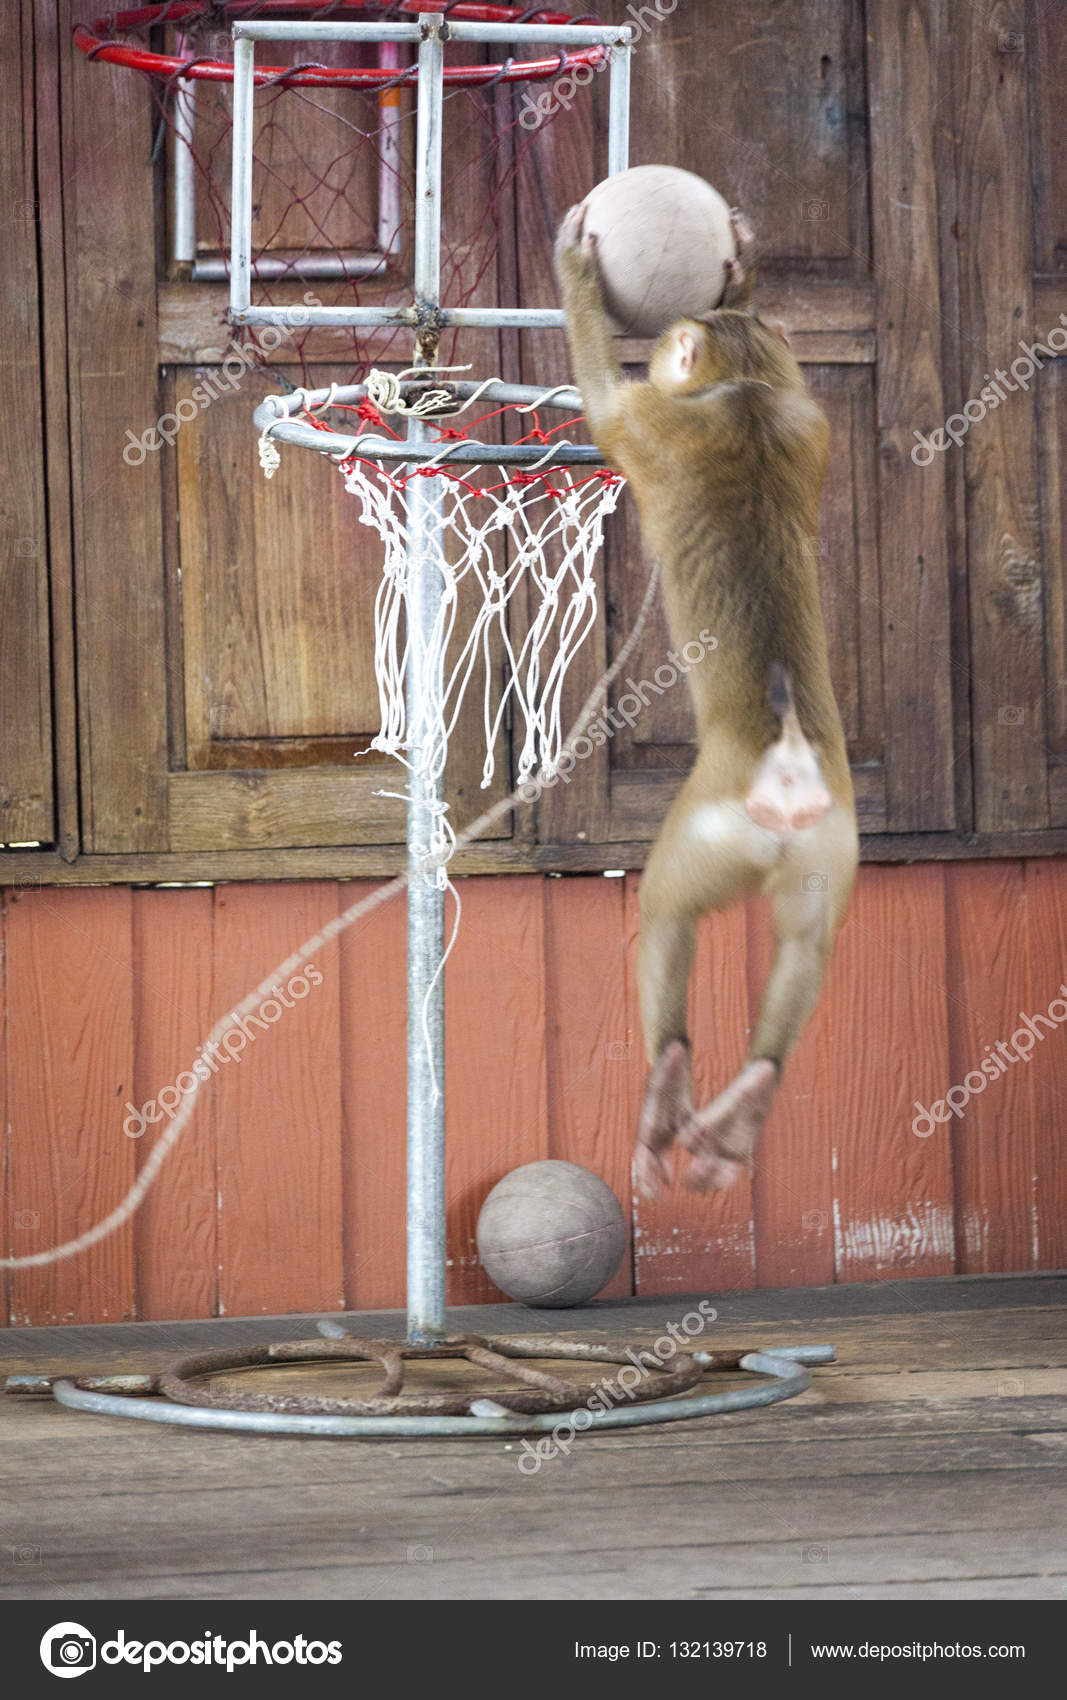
779, 330
687, 353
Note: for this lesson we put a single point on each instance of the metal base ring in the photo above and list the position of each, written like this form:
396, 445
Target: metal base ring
784, 1370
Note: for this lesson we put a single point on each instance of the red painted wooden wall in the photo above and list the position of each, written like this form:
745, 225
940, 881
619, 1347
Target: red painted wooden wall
286, 1193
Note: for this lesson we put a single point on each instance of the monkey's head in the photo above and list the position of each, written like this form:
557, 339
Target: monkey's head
724, 346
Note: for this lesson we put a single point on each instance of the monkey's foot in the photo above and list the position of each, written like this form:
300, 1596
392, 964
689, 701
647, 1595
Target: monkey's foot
721, 1137
668, 1106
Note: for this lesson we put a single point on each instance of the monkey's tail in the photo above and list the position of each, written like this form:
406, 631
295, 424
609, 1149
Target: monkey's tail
780, 693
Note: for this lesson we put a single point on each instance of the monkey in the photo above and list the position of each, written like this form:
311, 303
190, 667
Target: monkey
725, 453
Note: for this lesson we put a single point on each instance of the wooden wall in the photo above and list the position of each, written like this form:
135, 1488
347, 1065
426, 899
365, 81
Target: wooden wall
287, 1191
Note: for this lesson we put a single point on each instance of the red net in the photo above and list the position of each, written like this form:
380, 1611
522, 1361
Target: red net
333, 182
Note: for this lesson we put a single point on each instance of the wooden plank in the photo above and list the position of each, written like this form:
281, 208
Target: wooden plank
254, 811
48, 54
816, 307
909, 396
26, 802
592, 1111
690, 1242
993, 982
174, 1232
1052, 428
277, 642
792, 1185
69, 1071
375, 861
1046, 914
789, 78
496, 1101
110, 236
829, 322
193, 328
997, 314
952, 332
5, 1124
849, 586
1050, 297
373, 1068
1010, 1322
1044, 47
278, 1110
893, 1198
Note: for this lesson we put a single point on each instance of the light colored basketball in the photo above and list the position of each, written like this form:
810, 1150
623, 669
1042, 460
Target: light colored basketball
663, 240
551, 1233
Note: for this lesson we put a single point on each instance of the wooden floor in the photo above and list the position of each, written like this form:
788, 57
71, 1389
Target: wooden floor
929, 1462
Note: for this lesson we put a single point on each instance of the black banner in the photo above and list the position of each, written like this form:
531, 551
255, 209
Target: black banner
316, 1646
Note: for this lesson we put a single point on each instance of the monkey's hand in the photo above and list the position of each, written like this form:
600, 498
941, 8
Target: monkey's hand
740, 275
668, 1107
575, 246
744, 235
721, 1138
597, 372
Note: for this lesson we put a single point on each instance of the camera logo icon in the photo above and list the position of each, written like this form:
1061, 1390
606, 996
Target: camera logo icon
68, 1649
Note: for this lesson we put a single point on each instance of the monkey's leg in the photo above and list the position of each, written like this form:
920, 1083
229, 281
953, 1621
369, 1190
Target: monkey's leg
706, 855
808, 901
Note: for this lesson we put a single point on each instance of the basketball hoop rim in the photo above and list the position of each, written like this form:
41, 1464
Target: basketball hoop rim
93, 40
274, 418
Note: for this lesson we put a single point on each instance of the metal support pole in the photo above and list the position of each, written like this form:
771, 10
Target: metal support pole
425, 901
184, 206
244, 54
619, 108
388, 153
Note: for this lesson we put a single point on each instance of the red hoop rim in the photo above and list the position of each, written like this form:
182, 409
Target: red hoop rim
94, 41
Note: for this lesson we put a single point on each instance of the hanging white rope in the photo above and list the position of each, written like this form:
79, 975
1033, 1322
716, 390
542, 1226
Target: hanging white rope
542, 537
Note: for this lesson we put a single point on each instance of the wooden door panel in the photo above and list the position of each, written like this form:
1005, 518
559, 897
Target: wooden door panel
1000, 451
278, 582
1043, 51
766, 100
26, 780
274, 700
317, 189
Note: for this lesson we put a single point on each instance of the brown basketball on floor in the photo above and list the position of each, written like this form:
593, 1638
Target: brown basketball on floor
551, 1234
663, 239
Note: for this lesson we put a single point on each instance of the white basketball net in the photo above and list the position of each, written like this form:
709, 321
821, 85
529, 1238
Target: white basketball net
553, 524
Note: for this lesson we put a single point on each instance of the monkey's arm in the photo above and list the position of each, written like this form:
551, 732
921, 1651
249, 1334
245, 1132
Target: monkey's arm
597, 372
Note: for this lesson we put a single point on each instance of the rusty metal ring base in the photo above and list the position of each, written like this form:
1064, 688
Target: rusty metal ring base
535, 1407
539, 1392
